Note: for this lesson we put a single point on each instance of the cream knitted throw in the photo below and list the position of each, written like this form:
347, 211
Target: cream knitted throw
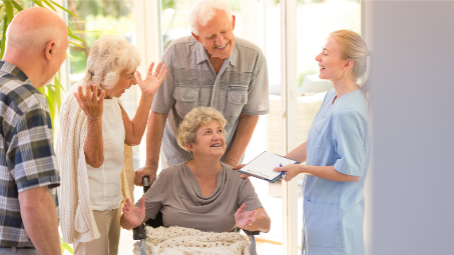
76, 216
188, 241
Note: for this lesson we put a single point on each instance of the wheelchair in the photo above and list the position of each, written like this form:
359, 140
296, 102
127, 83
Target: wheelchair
140, 235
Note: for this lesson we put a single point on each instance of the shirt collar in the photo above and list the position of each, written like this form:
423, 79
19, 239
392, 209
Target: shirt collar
15, 71
202, 55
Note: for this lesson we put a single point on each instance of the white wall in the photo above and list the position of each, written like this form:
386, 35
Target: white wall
412, 92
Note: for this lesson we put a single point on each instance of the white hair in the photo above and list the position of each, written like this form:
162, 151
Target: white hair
34, 39
204, 10
109, 56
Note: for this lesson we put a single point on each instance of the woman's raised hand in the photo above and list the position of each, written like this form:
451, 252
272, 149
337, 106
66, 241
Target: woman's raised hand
244, 218
89, 102
153, 80
135, 215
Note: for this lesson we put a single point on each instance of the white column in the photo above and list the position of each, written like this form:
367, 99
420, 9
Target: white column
258, 143
289, 106
249, 20
149, 43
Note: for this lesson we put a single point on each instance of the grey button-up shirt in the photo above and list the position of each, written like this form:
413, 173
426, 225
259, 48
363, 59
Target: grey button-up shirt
241, 86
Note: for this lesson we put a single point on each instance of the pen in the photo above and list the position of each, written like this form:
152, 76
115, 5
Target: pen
282, 172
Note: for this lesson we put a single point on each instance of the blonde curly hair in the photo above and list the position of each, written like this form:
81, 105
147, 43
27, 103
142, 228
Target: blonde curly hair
109, 56
197, 117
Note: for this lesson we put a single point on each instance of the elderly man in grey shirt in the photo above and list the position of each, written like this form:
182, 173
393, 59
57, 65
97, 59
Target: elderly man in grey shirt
213, 68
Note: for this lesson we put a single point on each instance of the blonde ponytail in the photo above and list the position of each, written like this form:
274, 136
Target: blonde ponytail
354, 47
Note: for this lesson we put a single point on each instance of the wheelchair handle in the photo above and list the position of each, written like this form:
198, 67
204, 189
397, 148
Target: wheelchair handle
146, 183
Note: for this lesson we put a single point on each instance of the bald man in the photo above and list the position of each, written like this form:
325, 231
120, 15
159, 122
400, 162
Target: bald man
35, 49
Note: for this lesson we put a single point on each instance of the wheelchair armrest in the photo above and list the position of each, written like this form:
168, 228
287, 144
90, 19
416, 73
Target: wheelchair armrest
251, 233
138, 233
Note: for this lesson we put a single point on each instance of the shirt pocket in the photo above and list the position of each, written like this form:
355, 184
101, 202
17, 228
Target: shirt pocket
186, 99
237, 97
323, 226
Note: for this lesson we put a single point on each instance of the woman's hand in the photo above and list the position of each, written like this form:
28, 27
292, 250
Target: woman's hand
244, 218
89, 102
291, 170
152, 82
135, 215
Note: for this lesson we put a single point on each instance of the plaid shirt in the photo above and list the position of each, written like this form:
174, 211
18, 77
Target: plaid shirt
27, 157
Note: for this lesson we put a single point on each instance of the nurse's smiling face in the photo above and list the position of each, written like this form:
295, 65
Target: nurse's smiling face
332, 66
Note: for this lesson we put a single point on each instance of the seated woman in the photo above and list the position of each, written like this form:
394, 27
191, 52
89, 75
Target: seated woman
93, 131
202, 193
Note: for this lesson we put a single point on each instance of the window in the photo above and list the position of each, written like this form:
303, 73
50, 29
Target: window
290, 33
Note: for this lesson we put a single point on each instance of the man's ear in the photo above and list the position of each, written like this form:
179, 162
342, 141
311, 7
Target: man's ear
49, 51
233, 22
196, 37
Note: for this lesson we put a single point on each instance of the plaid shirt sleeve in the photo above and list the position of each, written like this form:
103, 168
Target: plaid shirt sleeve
30, 156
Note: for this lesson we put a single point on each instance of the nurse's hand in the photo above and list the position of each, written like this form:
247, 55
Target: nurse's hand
291, 170
244, 176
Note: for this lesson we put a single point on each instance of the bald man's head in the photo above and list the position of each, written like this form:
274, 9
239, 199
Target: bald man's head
36, 43
33, 28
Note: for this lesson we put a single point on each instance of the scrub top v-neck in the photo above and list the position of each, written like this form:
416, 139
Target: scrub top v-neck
334, 211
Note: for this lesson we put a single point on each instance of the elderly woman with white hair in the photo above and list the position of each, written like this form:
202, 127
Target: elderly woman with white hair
94, 128
202, 193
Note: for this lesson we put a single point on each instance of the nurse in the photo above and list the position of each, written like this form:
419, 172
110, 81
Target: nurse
337, 153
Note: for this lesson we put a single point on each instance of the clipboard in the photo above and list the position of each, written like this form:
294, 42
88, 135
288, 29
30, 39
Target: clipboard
262, 166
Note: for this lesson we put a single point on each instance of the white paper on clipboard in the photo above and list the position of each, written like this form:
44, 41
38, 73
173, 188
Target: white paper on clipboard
262, 166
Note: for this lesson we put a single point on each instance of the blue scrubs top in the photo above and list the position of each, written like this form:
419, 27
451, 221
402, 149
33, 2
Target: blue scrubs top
334, 211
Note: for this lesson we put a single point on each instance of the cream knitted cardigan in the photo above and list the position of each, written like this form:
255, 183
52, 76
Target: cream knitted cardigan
76, 216
187, 241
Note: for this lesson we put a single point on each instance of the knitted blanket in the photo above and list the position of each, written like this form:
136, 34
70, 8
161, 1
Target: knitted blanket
188, 241
76, 216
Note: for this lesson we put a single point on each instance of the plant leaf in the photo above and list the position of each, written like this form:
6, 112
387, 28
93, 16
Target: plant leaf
18, 7
77, 38
2, 45
77, 44
84, 32
49, 4
57, 87
9, 10
61, 7
69, 54
50, 95
68, 248
38, 2
42, 90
